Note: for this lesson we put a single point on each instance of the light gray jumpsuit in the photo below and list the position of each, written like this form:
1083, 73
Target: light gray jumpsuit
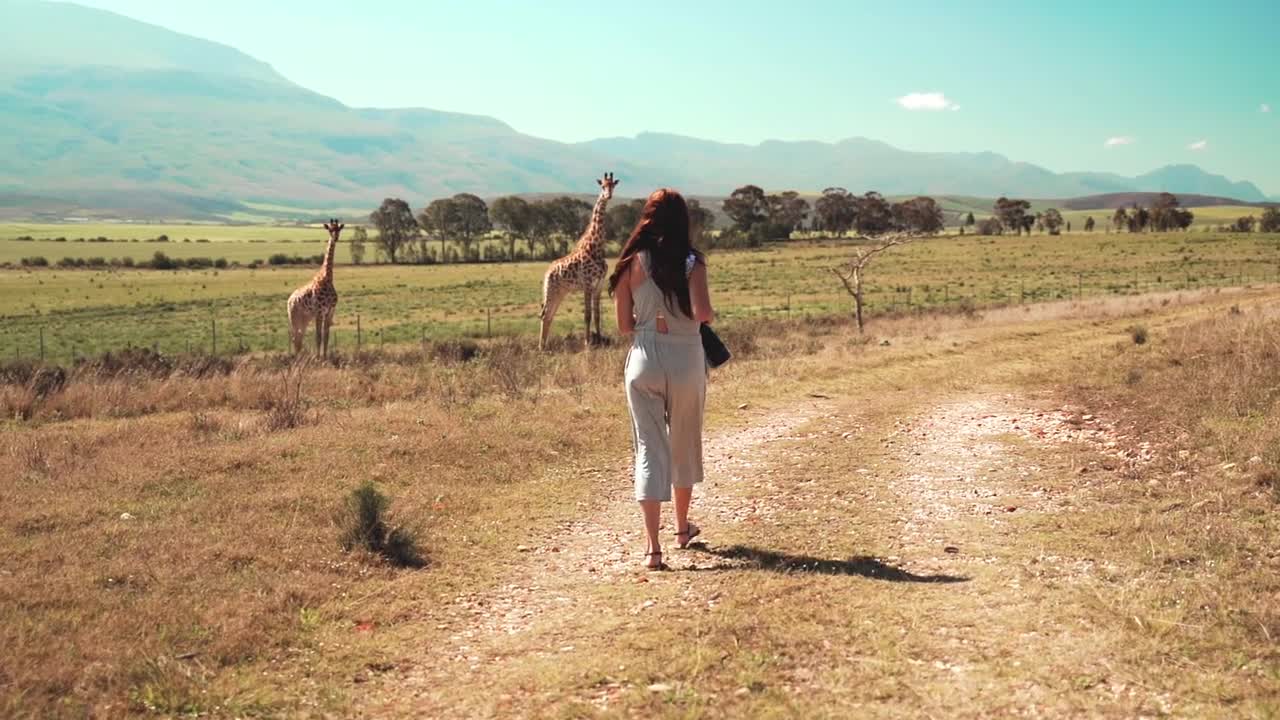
666, 381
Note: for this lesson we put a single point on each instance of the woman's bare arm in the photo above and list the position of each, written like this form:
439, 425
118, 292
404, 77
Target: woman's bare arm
623, 302
700, 295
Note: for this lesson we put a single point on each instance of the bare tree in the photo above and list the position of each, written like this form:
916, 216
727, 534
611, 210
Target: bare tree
851, 273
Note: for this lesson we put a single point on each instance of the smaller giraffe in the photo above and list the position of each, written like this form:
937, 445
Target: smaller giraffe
584, 269
317, 300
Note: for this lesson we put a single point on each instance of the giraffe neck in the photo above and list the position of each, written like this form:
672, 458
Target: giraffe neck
326, 270
593, 239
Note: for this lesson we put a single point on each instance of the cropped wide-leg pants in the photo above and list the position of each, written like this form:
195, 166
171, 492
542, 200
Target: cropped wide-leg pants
666, 381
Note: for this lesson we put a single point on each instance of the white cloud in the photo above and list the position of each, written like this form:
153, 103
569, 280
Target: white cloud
1198, 145
1265, 108
1115, 141
927, 101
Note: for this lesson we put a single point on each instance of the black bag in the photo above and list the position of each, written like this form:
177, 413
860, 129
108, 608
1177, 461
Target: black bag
717, 354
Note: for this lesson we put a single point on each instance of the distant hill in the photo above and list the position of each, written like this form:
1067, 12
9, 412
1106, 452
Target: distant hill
859, 164
1111, 201
103, 114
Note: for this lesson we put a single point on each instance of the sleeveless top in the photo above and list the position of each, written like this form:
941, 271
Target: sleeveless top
648, 303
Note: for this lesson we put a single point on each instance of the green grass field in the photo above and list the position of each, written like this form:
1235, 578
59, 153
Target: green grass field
87, 311
1206, 218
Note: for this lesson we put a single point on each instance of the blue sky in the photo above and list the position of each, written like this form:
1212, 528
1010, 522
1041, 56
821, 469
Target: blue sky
1045, 82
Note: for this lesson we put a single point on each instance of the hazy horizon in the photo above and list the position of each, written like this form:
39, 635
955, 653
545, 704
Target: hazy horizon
1186, 93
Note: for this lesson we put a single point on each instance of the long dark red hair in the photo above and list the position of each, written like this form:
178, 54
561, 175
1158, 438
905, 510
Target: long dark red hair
663, 230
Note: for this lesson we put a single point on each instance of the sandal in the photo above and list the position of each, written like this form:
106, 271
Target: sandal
692, 532
660, 566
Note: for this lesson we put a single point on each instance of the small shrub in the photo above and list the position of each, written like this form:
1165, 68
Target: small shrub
35, 261
364, 523
160, 261
288, 410
278, 259
1139, 334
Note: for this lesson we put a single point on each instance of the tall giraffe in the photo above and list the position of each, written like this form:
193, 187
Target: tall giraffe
316, 300
584, 269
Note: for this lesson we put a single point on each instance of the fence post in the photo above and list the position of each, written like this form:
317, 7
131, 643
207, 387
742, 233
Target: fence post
358, 338
488, 323
41, 343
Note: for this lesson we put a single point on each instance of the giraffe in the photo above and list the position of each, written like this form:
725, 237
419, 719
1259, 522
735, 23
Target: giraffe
316, 300
584, 269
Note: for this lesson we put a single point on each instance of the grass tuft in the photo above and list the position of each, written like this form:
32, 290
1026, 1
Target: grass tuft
1139, 334
365, 520
288, 410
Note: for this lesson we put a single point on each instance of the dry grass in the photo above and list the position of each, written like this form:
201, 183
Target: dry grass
168, 549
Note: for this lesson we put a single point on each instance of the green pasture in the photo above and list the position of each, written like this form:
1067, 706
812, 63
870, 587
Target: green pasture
1206, 218
88, 311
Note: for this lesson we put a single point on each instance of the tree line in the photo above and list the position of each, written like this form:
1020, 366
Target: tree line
451, 229
531, 229
758, 217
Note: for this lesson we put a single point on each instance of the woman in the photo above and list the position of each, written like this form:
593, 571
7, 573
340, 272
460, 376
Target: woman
659, 286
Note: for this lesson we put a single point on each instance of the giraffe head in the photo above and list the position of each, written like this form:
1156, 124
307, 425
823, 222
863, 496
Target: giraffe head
607, 184
334, 226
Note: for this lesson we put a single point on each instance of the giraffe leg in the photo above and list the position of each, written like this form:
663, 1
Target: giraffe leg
550, 303
586, 316
599, 290
319, 330
328, 323
297, 329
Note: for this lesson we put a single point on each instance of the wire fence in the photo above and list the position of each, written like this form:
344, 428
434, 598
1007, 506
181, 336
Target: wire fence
356, 332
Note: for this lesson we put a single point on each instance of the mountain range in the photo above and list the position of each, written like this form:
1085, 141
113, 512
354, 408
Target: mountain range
100, 106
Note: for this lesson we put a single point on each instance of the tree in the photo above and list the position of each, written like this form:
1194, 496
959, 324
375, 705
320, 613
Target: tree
700, 218
359, 237
874, 216
1120, 219
1052, 221
568, 218
921, 215
1270, 222
786, 212
440, 220
835, 211
622, 218
746, 207
1244, 224
1139, 218
989, 226
1166, 215
1012, 214
472, 217
1088, 224
513, 216
851, 273
542, 226
396, 227
969, 220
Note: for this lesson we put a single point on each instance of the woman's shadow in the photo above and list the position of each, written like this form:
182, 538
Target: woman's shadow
746, 557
